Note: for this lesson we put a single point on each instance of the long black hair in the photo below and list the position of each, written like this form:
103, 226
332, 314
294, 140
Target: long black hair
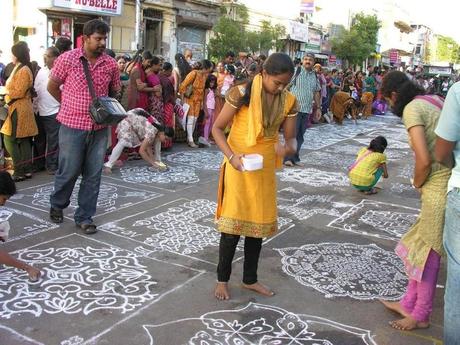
406, 90
182, 65
276, 64
378, 144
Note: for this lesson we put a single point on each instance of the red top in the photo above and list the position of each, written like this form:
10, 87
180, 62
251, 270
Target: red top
76, 100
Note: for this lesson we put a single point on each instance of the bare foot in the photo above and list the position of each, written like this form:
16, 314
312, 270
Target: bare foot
408, 324
395, 306
34, 274
371, 192
259, 288
107, 170
221, 291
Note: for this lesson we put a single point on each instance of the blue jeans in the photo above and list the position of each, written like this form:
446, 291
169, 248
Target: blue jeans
452, 247
301, 126
80, 152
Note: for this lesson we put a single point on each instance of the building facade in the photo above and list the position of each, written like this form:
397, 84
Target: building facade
164, 27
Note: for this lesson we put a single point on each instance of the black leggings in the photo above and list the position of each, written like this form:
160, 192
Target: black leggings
227, 247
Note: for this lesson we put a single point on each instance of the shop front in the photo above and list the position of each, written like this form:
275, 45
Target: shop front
194, 22
66, 18
297, 37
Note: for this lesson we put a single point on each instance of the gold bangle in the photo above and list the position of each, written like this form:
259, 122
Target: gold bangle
231, 156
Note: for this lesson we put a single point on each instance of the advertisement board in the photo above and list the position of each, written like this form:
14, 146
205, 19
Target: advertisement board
101, 7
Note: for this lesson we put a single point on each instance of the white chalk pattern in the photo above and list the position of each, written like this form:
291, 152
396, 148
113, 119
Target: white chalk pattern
362, 272
198, 159
258, 324
76, 280
144, 174
314, 177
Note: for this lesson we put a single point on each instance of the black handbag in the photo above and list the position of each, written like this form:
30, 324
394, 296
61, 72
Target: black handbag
103, 110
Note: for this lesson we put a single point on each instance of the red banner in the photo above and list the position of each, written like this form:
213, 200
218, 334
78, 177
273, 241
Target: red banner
394, 56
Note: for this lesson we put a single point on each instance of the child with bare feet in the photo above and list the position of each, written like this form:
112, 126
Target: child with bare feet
139, 129
7, 189
421, 247
369, 166
247, 199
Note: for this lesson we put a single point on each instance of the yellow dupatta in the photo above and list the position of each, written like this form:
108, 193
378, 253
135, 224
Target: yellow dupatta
255, 122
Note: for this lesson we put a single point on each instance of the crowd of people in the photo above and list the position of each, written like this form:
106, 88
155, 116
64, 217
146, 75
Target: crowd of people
241, 106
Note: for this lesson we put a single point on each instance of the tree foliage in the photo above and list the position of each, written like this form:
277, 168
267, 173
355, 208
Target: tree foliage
447, 49
356, 44
231, 34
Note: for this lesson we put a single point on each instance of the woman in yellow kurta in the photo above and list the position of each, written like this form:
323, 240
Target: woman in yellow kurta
247, 199
20, 125
421, 247
197, 80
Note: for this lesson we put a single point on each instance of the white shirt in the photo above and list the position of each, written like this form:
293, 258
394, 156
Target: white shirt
46, 104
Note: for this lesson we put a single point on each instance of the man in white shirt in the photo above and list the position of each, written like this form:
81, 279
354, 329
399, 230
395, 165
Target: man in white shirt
48, 108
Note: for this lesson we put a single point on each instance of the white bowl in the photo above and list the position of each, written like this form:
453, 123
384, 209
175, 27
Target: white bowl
253, 162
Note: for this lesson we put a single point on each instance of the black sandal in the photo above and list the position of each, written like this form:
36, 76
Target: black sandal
56, 215
87, 229
18, 178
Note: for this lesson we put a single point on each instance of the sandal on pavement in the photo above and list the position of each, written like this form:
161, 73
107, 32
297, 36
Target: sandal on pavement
370, 192
87, 229
288, 164
56, 215
18, 178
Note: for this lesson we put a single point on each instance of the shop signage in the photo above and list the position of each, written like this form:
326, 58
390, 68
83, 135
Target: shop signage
101, 7
332, 59
394, 56
314, 41
298, 31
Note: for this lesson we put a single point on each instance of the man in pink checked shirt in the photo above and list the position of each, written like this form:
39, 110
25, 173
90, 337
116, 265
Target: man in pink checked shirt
82, 144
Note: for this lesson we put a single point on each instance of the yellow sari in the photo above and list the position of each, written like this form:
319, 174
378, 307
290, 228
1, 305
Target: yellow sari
247, 200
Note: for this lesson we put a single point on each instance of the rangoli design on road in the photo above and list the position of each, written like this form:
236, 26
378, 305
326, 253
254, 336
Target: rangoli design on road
362, 272
404, 189
392, 144
407, 172
258, 324
322, 158
314, 177
111, 197
186, 229
76, 280
378, 219
322, 136
23, 224
174, 174
304, 206
207, 160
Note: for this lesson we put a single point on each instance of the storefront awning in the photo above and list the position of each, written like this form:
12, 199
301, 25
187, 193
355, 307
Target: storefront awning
184, 20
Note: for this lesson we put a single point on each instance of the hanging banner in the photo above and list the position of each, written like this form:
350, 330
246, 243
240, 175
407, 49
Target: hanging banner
394, 56
101, 7
307, 6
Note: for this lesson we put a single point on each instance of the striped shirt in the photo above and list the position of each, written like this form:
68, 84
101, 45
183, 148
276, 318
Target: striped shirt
304, 88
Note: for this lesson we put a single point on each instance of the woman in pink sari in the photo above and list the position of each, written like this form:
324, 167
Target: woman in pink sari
138, 89
169, 100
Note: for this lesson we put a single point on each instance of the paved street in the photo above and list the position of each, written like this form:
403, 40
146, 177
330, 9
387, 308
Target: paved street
147, 276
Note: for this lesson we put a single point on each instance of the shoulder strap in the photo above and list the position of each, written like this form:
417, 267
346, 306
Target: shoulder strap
88, 78
431, 99
351, 167
297, 72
